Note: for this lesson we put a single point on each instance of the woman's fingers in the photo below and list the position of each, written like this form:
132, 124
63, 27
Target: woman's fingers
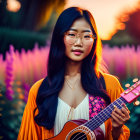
126, 111
117, 120
119, 112
124, 106
120, 116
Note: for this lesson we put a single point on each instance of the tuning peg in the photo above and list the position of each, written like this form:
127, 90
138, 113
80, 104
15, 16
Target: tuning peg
136, 103
127, 85
135, 80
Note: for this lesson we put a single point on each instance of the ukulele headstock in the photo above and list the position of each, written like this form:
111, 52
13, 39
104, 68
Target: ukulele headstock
132, 92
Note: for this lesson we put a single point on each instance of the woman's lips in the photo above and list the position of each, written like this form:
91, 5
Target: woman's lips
77, 52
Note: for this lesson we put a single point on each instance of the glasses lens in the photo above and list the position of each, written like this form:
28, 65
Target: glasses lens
87, 36
73, 36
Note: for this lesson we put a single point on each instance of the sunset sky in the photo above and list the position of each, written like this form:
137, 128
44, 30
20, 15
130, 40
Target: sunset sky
104, 12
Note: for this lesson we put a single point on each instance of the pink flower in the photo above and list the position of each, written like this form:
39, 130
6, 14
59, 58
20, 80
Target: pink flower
94, 109
9, 73
90, 106
93, 103
90, 110
97, 105
91, 98
93, 114
96, 101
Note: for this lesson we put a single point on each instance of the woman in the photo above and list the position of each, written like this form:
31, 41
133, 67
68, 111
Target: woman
75, 87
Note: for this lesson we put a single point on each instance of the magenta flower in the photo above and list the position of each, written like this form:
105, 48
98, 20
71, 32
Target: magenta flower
9, 73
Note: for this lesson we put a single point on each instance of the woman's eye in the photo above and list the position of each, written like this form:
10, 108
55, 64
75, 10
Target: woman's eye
70, 34
87, 36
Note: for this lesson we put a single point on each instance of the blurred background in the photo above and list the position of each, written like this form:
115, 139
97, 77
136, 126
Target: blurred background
25, 32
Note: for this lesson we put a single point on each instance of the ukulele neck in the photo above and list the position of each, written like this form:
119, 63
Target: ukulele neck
100, 118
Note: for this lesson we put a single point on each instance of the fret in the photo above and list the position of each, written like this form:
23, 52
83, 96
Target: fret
101, 117
92, 123
119, 100
105, 113
111, 107
117, 104
98, 118
123, 100
106, 110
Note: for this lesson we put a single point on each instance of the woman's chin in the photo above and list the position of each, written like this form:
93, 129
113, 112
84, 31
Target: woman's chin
76, 59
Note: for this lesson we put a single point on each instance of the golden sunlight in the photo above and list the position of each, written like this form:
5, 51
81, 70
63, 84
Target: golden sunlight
105, 13
13, 5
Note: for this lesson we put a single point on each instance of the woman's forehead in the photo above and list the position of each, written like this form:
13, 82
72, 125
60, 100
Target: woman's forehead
80, 25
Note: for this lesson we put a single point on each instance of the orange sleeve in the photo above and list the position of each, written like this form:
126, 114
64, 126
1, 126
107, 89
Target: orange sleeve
114, 90
29, 130
108, 127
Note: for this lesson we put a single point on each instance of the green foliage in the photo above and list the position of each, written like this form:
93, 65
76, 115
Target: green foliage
20, 39
121, 38
11, 112
32, 24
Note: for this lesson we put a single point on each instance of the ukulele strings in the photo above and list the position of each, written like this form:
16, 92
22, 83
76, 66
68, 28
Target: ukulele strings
85, 134
119, 104
92, 124
102, 115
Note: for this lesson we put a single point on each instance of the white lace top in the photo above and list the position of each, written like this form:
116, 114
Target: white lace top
65, 113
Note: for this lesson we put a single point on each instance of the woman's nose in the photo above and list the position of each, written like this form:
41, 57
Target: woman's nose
78, 41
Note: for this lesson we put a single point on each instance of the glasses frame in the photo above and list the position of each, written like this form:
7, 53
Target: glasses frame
78, 35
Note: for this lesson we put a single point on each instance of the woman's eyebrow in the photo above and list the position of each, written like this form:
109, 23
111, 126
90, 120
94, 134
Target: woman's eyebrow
86, 31
77, 30
71, 29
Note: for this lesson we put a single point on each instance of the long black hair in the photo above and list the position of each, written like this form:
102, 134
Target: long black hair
47, 97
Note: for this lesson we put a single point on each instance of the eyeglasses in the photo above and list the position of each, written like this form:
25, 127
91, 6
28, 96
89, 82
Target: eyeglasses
86, 37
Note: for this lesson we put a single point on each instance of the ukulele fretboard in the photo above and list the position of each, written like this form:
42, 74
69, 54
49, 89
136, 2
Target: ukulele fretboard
99, 119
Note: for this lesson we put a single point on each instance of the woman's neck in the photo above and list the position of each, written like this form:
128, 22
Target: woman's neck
73, 68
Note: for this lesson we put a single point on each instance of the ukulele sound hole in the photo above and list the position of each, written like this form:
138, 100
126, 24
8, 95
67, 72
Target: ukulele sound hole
78, 136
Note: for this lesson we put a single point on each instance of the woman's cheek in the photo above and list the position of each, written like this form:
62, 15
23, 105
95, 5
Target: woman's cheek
68, 50
88, 49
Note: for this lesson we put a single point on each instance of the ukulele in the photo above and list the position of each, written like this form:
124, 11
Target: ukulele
89, 130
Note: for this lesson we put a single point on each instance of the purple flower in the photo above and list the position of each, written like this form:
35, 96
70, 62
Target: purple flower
9, 73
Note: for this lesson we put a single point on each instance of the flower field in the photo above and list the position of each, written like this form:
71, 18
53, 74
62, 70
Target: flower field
20, 70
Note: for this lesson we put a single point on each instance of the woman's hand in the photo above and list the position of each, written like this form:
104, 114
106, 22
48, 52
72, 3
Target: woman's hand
119, 117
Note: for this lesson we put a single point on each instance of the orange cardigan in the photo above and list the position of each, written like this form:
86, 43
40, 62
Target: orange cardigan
29, 130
